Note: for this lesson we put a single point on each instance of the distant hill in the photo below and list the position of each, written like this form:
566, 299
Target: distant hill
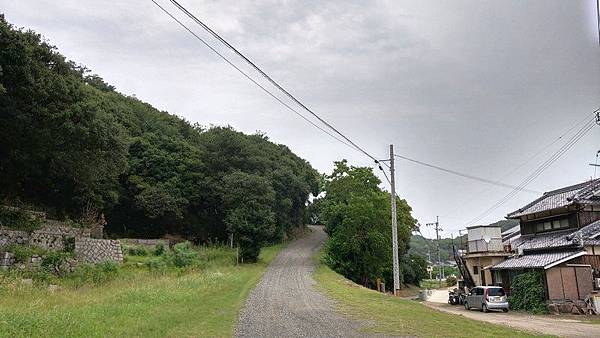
419, 245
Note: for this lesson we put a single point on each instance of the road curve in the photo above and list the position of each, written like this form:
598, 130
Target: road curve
286, 304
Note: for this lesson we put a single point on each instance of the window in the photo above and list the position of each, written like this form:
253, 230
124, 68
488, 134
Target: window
497, 277
556, 224
475, 270
479, 291
496, 292
564, 223
539, 227
547, 226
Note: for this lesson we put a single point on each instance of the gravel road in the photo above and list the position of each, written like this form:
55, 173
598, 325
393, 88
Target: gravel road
549, 325
286, 304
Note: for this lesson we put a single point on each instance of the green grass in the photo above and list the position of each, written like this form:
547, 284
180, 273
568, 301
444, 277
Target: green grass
433, 284
395, 316
200, 301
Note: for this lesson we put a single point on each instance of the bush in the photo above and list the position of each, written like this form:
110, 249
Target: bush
23, 252
97, 274
528, 292
18, 219
414, 269
156, 264
54, 260
184, 254
137, 251
160, 249
451, 281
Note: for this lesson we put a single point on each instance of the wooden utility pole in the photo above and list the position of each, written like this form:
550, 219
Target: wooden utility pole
394, 223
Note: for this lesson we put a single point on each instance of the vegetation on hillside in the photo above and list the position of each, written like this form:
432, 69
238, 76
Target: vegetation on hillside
356, 214
70, 141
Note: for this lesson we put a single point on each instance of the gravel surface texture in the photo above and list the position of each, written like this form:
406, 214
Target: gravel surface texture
550, 324
286, 304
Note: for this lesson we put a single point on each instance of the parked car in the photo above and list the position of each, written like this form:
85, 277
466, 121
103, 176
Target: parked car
487, 298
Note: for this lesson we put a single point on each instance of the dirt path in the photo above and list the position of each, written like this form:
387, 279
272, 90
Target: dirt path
285, 302
537, 324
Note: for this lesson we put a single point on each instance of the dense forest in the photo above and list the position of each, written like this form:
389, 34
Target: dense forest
70, 142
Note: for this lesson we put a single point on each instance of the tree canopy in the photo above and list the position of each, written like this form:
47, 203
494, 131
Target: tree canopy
69, 140
356, 214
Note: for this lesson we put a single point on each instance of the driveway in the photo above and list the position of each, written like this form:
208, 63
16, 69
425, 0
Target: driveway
539, 324
286, 304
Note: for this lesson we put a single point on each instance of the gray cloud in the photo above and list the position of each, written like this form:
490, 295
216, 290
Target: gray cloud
477, 86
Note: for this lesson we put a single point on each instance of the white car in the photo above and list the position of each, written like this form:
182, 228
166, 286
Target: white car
487, 298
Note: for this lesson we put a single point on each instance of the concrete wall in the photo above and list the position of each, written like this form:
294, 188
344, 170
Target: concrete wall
484, 238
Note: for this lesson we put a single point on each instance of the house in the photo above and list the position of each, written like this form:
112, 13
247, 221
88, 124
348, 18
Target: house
484, 249
559, 234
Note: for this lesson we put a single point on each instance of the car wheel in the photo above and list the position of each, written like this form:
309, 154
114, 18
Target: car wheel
484, 308
467, 306
504, 310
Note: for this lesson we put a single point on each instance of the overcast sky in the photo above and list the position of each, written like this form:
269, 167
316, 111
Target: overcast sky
474, 86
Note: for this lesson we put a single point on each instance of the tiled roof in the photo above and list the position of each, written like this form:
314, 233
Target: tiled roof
541, 260
590, 234
582, 193
591, 230
555, 239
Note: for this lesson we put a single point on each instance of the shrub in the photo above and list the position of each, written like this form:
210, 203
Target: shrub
137, 251
23, 252
97, 274
156, 264
18, 219
53, 261
184, 254
451, 281
160, 249
528, 292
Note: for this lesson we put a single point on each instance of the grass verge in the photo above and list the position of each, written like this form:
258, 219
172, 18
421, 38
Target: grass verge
139, 303
394, 316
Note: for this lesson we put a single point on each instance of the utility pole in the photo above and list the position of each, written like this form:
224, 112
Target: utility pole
394, 223
437, 237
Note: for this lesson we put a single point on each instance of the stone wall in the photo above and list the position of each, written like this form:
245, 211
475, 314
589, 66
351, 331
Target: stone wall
56, 237
13, 237
92, 250
7, 260
146, 242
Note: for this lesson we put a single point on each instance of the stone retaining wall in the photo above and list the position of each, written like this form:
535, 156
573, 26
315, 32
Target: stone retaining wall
146, 242
91, 250
13, 237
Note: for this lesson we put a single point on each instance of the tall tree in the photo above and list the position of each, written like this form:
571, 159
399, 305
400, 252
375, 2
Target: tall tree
356, 213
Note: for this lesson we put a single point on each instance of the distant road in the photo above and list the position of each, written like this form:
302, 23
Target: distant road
286, 304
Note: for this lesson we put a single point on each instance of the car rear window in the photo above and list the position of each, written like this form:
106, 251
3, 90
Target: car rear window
496, 292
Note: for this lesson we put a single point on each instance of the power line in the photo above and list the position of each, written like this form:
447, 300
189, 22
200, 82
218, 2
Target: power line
457, 173
527, 161
536, 173
568, 145
267, 77
251, 79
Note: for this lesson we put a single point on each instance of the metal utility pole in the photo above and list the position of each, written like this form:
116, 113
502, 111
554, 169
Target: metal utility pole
394, 223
